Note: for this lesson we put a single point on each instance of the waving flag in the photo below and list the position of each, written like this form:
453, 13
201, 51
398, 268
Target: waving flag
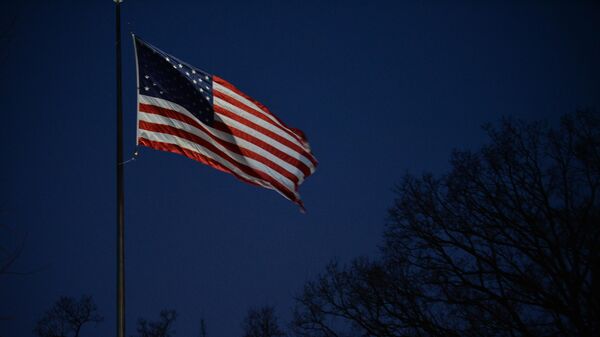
185, 110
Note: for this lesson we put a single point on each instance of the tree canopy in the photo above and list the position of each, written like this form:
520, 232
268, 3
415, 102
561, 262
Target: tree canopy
262, 322
161, 328
67, 317
505, 244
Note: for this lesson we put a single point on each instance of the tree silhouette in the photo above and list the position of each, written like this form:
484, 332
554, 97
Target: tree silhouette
505, 244
161, 328
67, 317
262, 322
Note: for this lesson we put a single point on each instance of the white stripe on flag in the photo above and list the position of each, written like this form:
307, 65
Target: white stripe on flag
194, 147
239, 158
233, 124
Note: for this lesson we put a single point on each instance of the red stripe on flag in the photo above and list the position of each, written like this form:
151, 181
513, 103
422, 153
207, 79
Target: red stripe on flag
265, 132
233, 88
257, 114
264, 145
167, 129
227, 129
168, 147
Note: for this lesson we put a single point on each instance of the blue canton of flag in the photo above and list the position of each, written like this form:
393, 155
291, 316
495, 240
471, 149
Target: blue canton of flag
163, 76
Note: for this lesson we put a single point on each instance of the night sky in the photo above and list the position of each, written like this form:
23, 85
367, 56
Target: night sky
379, 88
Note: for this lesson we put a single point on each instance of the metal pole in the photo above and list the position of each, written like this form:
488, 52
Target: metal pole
120, 191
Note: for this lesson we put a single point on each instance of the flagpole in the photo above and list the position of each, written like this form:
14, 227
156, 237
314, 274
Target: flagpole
120, 191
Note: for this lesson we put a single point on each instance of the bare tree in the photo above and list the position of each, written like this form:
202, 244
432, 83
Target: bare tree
262, 322
67, 317
505, 244
161, 328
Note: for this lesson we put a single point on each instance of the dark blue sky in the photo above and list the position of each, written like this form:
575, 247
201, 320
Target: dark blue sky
380, 88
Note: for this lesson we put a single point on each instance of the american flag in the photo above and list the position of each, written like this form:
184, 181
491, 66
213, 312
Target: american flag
185, 110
